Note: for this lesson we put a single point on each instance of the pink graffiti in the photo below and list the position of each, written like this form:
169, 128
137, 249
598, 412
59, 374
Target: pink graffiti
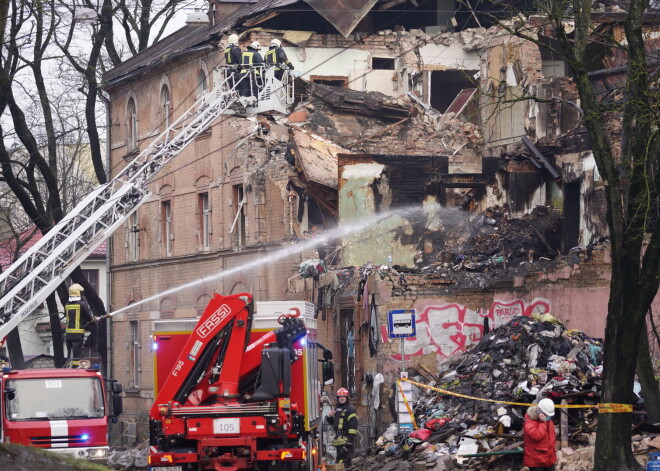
452, 328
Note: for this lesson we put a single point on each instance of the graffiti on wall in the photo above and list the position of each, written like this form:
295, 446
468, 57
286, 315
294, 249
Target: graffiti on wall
450, 328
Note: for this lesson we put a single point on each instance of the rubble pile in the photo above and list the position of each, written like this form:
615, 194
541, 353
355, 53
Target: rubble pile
520, 362
529, 238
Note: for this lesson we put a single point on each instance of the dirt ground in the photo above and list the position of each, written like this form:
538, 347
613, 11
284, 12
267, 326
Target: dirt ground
21, 458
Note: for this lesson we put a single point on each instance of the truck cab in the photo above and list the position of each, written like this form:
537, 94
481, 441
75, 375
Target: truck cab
62, 410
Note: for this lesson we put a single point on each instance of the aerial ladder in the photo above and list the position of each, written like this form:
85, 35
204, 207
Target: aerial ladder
37, 273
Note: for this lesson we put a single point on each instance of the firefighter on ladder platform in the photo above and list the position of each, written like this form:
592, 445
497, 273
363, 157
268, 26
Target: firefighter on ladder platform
251, 65
233, 59
76, 312
344, 420
277, 57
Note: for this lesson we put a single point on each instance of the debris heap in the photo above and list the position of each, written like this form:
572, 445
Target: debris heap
520, 362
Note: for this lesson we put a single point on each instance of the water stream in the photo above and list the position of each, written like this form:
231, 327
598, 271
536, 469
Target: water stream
338, 232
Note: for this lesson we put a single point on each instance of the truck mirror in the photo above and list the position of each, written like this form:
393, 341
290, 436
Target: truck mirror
327, 354
116, 387
117, 405
328, 372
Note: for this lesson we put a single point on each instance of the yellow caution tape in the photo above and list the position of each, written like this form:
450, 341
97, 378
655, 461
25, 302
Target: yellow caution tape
405, 401
605, 408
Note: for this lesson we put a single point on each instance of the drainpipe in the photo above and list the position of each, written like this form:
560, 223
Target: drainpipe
108, 251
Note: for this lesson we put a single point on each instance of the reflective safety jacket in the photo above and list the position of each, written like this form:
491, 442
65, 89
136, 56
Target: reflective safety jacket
233, 54
345, 422
276, 56
251, 58
77, 315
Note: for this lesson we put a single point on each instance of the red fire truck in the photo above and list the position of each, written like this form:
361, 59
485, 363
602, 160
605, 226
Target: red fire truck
63, 410
242, 390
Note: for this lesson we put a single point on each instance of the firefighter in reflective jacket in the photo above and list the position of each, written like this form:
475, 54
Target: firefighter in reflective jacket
249, 62
233, 59
77, 316
344, 420
277, 57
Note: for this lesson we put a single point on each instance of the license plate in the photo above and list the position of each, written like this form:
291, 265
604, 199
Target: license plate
226, 426
167, 468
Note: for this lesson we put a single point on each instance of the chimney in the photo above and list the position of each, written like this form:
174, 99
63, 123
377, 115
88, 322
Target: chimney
197, 18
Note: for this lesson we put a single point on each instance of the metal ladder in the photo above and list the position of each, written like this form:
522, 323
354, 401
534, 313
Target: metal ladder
37, 273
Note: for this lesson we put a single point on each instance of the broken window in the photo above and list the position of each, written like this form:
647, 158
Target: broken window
382, 63
166, 221
134, 347
238, 225
204, 220
131, 125
133, 239
446, 85
347, 364
334, 81
571, 213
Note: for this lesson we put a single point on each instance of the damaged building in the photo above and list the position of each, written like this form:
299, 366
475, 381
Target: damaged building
417, 109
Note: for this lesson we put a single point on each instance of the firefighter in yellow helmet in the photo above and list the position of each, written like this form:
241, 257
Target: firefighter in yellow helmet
78, 315
277, 57
251, 65
232, 59
344, 420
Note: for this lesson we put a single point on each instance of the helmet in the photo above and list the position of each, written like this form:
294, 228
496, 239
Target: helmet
233, 39
275, 43
342, 392
547, 407
75, 290
255, 45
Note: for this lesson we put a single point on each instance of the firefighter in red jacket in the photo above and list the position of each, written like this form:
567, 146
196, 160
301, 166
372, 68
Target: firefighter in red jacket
77, 316
344, 420
539, 437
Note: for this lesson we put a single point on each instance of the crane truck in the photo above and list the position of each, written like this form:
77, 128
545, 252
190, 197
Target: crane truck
242, 394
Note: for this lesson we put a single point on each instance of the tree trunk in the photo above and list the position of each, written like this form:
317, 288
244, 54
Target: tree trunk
56, 331
646, 375
15, 350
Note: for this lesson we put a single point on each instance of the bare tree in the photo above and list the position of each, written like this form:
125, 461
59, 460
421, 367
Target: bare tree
631, 170
50, 66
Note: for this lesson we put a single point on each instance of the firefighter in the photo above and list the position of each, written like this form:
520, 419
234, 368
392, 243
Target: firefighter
233, 59
250, 62
277, 57
344, 420
77, 315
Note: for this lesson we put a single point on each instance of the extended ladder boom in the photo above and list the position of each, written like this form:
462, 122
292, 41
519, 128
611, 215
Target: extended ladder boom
37, 273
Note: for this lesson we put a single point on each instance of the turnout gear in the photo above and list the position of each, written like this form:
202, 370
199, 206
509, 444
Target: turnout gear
77, 315
250, 60
277, 58
233, 60
345, 422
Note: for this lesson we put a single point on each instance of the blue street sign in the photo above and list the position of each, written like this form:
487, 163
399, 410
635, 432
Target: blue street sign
401, 323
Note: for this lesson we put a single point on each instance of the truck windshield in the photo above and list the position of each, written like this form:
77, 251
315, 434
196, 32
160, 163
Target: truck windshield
55, 399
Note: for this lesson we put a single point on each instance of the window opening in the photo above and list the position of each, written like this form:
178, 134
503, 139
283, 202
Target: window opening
204, 220
382, 63
166, 215
165, 104
131, 111
134, 336
201, 82
239, 209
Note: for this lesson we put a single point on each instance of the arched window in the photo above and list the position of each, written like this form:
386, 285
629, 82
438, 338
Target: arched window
201, 83
131, 125
165, 105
